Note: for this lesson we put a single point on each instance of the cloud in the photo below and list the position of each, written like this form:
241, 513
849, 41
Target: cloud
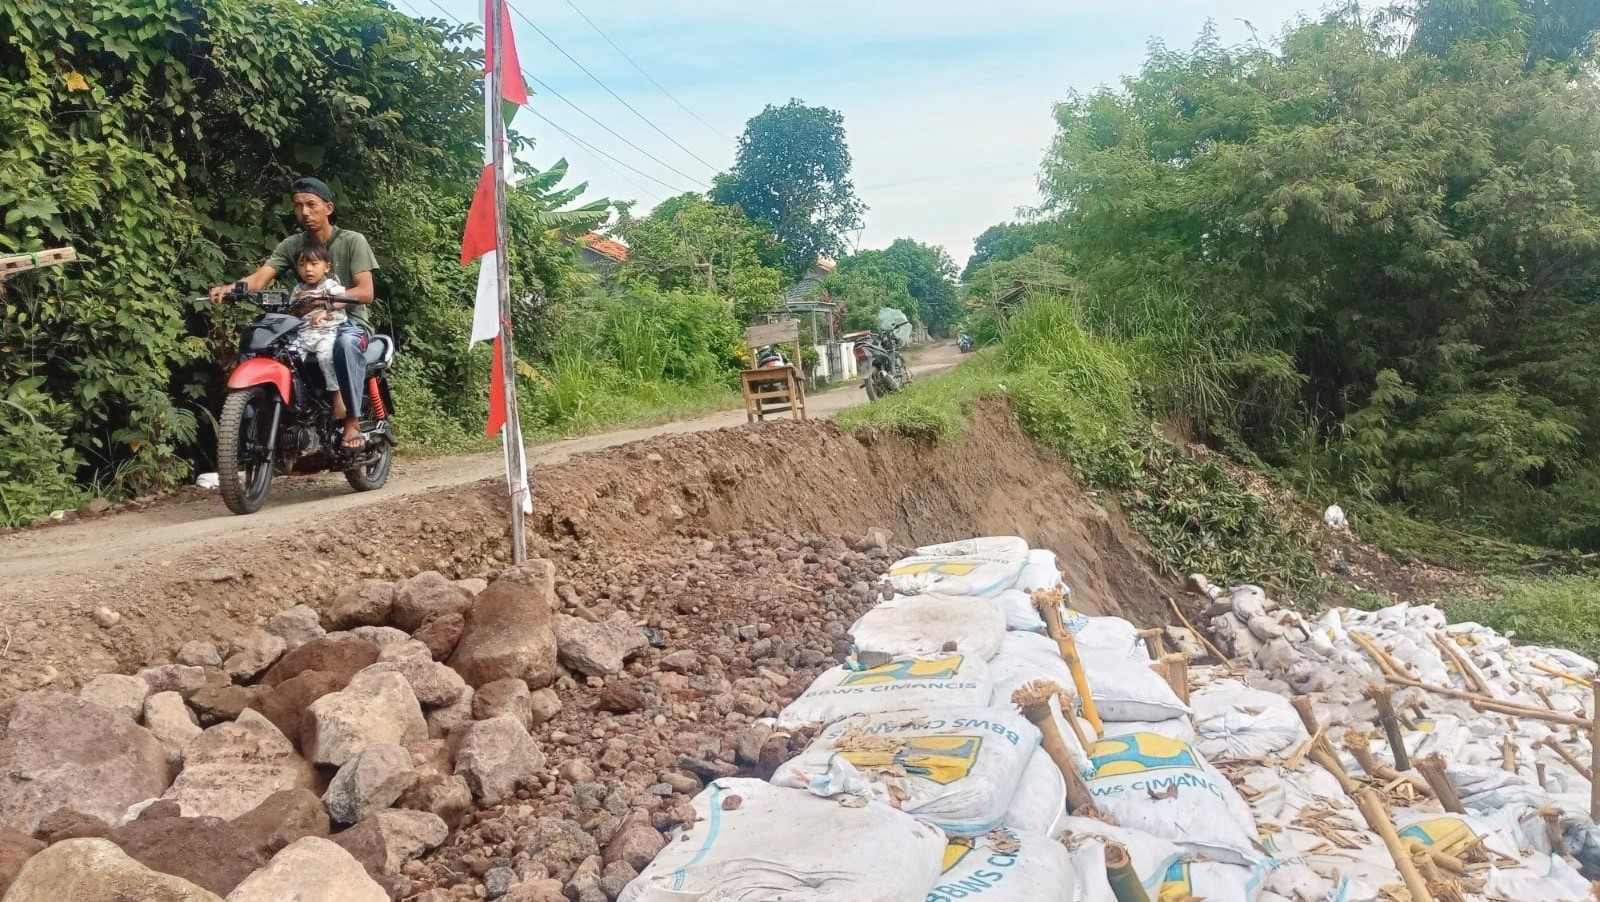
946, 104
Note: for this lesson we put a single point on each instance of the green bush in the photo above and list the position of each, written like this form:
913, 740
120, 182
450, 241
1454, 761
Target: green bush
36, 461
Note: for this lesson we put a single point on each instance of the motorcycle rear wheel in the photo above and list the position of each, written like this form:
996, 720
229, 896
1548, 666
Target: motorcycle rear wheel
243, 477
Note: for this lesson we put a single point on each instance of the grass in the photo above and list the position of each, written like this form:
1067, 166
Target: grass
1563, 611
1088, 385
1408, 539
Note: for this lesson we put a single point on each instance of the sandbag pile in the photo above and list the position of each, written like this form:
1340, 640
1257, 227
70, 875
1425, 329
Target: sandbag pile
923, 780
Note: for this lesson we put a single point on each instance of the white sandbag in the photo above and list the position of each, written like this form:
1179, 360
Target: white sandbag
1234, 721
1040, 802
982, 573
904, 684
1105, 636
785, 844
980, 545
1128, 689
1003, 866
1039, 572
1212, 880
1020, 613
1165, 788
953, 767
931, 623
1086, 838
1178, 728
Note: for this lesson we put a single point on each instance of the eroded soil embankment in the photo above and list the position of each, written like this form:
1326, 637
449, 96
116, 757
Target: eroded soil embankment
783, 477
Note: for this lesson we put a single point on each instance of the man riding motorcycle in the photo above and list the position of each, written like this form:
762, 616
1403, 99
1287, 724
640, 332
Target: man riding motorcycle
353, 265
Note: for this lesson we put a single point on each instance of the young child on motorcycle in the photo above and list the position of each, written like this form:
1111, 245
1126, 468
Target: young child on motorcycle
320, 322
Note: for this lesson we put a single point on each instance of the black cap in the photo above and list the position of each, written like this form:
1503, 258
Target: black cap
311, 185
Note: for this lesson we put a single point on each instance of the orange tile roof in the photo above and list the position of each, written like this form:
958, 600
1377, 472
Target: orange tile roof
605, 247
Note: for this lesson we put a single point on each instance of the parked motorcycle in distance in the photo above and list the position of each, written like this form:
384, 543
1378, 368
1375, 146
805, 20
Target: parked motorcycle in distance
883, 369
964, 343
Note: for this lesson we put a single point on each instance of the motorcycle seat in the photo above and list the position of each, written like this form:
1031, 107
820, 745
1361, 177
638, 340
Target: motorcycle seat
380, 351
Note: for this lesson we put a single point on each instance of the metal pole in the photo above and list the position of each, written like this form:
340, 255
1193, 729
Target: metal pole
512, 431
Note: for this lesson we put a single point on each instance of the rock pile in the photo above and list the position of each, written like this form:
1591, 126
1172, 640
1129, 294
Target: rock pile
514, 737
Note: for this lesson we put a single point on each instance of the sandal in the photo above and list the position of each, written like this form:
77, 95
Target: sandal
353, 442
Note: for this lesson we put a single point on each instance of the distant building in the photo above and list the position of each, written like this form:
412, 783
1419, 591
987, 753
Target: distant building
599, 254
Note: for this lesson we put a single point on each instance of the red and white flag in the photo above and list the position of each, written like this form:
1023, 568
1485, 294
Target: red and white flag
479, 240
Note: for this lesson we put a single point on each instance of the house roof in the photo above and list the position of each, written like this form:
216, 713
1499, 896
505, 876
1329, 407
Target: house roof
605, 247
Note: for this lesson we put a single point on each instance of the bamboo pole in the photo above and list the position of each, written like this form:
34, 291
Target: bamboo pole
1552, 826
1508, 755
1067, 714
1178, 674
1120, 874
1478, 701
1201, 636
1571, 759
1154, 643
1469, 671
1383, 696
1432, 769
1594, 757
1371, 805
1050, 608
1557, 672
1356, 743
1321, 749
1034, 700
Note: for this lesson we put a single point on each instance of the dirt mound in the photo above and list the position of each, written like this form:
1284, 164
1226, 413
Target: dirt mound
782, 477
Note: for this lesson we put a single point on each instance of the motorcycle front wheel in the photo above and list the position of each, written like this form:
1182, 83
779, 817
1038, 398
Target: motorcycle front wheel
244, 458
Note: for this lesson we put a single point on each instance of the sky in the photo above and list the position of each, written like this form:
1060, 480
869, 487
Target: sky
947, 109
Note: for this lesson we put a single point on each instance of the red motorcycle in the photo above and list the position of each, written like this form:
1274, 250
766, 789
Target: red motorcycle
278, 417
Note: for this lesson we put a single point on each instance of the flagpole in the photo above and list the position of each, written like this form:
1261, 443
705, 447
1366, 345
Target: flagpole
512, 431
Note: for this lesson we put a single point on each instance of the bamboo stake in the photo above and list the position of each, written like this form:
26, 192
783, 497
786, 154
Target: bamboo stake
1356, 743
1154, 643
1178, 674
1034, 700
1552, 826
1384, 697
1571, 759
1432, 769
1508, 755
1480, 702
1321, 749
1538, 770
1120, 874
1201, 636
1050, 608
1594, 757
1072, 722
1371, 805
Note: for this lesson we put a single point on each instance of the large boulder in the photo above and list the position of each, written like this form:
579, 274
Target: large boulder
636, 842
504, 698
424, 596
285, 703
441, 634
560, 844
597, 649
311, 869
446, 720
497, 756
434, 684
283, 818
375, 708
385, 841
171, 722
184, 679
95, 870
343, 656
509, 634
231, 768
255, 653
296, 626
368, 783
206, 851
123, 694
446, 796
62, 752
16, 848
366, 603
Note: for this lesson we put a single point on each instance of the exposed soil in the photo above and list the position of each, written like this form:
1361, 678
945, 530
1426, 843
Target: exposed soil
780, 476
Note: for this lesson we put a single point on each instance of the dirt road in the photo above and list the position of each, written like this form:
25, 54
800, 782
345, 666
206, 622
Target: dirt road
168, 531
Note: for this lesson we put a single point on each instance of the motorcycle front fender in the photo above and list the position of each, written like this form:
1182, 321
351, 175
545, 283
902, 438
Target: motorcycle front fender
263, 371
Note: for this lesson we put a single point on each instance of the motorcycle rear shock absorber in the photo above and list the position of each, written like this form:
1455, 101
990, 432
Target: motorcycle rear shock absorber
379, 411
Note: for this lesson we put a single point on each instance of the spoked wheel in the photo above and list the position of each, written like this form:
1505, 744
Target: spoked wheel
244, 456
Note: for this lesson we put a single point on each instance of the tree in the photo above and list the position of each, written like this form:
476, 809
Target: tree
792, 174
1418, 233
689, 243
1005, 241
930, 280
1559, 30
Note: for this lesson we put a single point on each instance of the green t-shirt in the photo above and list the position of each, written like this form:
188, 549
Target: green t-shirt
348, 251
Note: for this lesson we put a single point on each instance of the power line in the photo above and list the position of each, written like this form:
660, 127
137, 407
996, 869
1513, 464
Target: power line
593, 149
585, 113
585, 16
645, 119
